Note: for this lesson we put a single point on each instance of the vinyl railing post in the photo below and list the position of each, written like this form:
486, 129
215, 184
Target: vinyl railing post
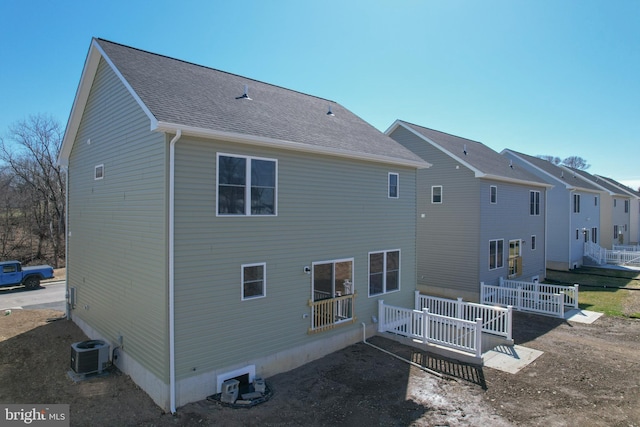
381, 319
478, 337
459, 308
519, 298
416, 300
509, 321
560, 304
576, 288
482, 293
425, 324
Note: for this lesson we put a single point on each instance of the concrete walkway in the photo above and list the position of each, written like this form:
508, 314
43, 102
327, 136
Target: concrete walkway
513, 358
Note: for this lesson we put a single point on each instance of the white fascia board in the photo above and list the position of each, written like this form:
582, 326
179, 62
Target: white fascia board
79, 102
515, 181
82, 95
478, 173
590, 181
550, 175
635, 196
282, 144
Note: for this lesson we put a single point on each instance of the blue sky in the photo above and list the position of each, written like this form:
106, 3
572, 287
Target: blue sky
558, 77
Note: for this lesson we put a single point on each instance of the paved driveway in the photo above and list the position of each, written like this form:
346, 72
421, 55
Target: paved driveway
50, 295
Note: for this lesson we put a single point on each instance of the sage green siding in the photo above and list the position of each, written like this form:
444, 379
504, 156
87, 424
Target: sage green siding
328, 208
117, 225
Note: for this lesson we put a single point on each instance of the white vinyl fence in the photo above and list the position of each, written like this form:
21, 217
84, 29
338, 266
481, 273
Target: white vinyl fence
495, 320
620, 255
533, 297
458, 334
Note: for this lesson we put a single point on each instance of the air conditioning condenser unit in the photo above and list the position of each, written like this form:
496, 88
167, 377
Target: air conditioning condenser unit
89, 357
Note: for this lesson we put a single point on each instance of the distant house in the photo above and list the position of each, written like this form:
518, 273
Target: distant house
615, 209
480, 217
223, 227
573, 210
634, 209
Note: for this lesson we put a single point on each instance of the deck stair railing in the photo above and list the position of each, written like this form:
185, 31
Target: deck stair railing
495, 320
458, 334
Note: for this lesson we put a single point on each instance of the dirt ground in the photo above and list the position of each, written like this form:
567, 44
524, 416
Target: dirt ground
588, 375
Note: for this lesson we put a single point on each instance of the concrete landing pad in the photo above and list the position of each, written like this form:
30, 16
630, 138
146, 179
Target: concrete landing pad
509, 358
581, 316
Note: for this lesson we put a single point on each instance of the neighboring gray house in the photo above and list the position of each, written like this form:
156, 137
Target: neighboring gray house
615, 209
479, 217
573, 210
223, 227
634, 209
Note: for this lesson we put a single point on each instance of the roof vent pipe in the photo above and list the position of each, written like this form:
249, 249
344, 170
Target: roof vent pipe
465, 149
511, 164
245, 95
330, 113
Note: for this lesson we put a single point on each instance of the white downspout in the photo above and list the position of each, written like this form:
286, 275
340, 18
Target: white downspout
67, 309
172, 352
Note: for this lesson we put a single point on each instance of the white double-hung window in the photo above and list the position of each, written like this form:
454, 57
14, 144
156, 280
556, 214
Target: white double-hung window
246, 185
384, 272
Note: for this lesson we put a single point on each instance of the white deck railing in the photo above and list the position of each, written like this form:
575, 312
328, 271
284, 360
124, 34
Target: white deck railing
630, 248
521, 299
458, 334
570, 293
629, 255
495, 320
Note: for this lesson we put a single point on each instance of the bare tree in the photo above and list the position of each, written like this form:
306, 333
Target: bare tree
552, 159
30, 156
576, 162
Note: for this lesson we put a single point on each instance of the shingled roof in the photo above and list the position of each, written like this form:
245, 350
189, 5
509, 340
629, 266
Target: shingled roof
485, 162
557, 173
203, 101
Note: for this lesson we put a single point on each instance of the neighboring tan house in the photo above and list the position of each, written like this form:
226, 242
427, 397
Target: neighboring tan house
223, 227
615, 209
573, 210
634, 209
479, 217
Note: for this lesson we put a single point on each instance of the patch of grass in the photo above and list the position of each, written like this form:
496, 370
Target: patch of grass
609, 301
607, 291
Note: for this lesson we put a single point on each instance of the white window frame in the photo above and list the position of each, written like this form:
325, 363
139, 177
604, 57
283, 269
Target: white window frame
493, 195
98, 172
441, 194
264, 281
247, 185
499, 262
384, 272
576, 203
397, 186
533, 242
534, 205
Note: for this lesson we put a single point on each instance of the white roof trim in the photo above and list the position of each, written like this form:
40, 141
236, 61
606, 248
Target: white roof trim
478, 173
563, 183
82, 95
515, 181
584, 178
287, 145
635, 196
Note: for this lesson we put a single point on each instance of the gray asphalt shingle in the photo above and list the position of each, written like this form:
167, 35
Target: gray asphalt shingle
477, 155
187, 94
